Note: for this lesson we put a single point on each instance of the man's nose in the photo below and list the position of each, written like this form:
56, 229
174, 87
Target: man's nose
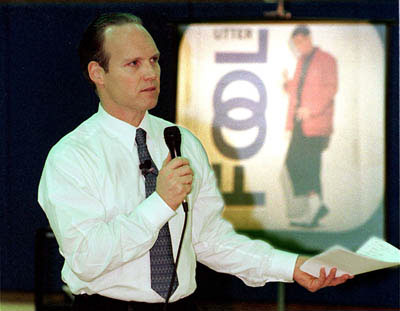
150, 72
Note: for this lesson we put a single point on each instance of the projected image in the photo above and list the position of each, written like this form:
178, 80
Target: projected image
292, 118
311, 94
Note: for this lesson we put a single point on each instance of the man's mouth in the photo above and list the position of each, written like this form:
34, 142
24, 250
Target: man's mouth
149, 89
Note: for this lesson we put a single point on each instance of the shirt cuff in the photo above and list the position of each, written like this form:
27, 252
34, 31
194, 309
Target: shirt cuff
282, 264
156, 211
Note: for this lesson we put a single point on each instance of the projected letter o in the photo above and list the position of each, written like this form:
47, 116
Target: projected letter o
222, 118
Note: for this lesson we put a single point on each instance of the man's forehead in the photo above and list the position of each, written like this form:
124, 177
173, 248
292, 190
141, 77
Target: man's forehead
134, 36
115, 31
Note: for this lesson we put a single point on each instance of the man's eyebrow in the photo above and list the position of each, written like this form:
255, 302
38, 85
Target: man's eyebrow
129, 59
157, 54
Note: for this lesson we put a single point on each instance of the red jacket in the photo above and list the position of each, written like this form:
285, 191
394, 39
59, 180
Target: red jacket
319, 89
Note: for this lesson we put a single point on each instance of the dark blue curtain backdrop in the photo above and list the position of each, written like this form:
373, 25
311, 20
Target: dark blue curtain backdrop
44, 96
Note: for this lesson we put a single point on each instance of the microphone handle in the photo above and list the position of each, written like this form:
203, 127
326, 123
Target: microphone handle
176, 152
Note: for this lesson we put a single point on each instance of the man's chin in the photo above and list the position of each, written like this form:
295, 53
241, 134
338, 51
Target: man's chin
152, 103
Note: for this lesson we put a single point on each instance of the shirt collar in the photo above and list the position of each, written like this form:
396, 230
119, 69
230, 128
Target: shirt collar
122, 130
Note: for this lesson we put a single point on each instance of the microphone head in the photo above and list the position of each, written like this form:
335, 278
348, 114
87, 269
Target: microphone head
172, 137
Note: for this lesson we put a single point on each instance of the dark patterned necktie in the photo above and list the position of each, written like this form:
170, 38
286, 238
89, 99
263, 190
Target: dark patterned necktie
161, 257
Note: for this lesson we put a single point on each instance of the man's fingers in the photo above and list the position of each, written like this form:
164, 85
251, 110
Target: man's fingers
338, 281
167, 160
330, 277
332, 280
174, 180
183, 187
178, 162
175, 162
341, 279
322, 275
185, 180
177, 168
184, 171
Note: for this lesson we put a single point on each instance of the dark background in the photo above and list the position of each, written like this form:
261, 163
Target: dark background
44, 96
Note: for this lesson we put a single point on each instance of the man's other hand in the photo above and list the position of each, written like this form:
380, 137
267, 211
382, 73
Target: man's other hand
312, 283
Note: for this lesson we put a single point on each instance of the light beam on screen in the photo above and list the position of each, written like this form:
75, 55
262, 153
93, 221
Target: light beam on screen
352, 165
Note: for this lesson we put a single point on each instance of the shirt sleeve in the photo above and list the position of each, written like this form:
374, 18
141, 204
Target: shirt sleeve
218, 246
91, 243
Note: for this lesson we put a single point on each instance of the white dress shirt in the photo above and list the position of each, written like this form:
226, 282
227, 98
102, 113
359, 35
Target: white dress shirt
93, 194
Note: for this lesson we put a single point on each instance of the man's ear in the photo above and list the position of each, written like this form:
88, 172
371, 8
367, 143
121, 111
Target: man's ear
96, 73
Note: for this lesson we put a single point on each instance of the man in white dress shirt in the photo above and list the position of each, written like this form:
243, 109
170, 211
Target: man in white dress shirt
93, 192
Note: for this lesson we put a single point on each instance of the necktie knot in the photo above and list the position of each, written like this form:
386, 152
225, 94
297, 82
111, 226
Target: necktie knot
140, 137
146, 164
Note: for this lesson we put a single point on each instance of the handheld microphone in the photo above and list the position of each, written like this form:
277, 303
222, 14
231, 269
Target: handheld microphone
172, 137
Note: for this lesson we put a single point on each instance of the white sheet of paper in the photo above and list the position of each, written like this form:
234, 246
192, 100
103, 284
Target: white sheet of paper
373, 255
379, 249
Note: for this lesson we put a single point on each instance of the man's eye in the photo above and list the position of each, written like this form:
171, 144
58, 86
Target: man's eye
155, 59
134, 63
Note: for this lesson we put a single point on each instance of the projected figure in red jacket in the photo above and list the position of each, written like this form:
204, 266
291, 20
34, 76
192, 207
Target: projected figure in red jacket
310, 119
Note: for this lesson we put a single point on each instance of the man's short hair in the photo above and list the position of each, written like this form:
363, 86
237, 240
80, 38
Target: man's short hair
301, 30
91, 46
